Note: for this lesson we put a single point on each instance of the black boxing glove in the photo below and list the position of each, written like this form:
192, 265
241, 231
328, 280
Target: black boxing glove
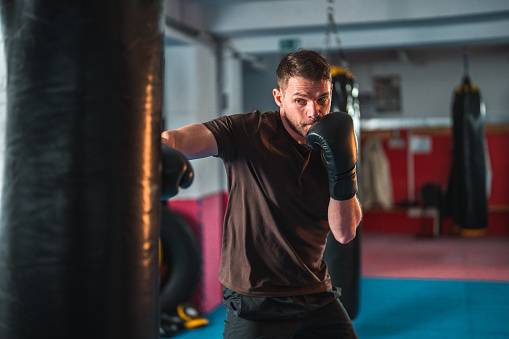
177, 172
335, 137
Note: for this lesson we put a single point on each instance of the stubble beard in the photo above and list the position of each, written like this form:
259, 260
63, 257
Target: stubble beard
300, 128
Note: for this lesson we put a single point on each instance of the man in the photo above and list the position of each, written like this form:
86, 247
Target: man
284, 198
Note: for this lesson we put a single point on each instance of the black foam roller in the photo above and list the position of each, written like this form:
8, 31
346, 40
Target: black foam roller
80, 204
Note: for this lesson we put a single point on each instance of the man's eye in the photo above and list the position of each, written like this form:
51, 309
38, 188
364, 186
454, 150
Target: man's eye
299, 101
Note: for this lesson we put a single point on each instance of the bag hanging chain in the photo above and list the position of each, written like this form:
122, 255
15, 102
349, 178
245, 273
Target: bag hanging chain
331, 28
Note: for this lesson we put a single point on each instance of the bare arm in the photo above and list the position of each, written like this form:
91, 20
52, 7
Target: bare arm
344, 217
194, 141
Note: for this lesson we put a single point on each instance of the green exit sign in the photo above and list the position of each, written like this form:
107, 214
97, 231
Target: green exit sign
289, 44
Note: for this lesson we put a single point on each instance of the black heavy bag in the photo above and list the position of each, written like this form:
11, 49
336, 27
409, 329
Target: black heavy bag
80, 206
343, 82
344, 261
468, 178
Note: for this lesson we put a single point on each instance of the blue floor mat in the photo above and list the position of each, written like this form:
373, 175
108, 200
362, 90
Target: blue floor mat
413, 308
395, 308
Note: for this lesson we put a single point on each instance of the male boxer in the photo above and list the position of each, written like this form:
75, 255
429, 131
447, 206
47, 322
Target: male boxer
291, 180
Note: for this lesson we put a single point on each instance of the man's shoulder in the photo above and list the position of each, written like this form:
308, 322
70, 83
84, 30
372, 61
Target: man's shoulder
244, 123
254, 118
257, 114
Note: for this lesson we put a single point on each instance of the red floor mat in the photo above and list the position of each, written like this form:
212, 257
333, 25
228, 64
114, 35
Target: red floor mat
407, 256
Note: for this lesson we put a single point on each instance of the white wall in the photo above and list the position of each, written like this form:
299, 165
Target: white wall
232, 85
427, 84
259, 83
191, 93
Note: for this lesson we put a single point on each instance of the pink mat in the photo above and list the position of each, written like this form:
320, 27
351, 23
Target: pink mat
205, 217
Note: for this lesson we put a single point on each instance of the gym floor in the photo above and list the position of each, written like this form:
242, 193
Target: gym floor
450, 287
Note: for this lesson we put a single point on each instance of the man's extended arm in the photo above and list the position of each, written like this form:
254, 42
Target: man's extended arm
194, 141
190, 142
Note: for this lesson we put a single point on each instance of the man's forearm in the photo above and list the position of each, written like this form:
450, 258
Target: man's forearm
168, 138
344, 217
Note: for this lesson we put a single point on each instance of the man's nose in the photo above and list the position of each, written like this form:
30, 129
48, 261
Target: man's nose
313, 110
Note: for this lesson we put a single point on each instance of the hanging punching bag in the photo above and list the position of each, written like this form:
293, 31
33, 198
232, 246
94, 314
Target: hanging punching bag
80, 205
343, 261
468, 186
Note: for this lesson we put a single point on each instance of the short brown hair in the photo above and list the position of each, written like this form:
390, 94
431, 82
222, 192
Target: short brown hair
304, 63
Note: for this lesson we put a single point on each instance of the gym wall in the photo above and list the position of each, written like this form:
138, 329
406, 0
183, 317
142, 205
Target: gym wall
434, 166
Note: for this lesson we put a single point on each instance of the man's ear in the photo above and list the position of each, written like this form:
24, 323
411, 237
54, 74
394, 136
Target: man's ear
278, 97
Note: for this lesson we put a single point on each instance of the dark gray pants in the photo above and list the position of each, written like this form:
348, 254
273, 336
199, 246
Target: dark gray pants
319, 315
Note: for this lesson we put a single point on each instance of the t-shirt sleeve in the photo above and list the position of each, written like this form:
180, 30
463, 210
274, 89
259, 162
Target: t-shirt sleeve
221, 128
234, 133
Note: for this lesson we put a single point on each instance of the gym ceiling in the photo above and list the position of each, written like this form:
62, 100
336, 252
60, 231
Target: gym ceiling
399, 29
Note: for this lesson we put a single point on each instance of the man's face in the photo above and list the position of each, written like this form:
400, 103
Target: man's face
302, 103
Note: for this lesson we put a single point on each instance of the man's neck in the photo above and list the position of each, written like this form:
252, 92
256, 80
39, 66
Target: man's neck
291, 131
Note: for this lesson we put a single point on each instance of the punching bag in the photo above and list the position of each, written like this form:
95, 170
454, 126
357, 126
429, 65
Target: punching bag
80, 206
343, 261
468, 178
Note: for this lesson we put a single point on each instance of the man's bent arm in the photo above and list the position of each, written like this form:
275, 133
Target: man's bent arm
194, 141
344, 217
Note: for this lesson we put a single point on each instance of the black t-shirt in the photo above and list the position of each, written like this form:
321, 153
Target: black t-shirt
276, 224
